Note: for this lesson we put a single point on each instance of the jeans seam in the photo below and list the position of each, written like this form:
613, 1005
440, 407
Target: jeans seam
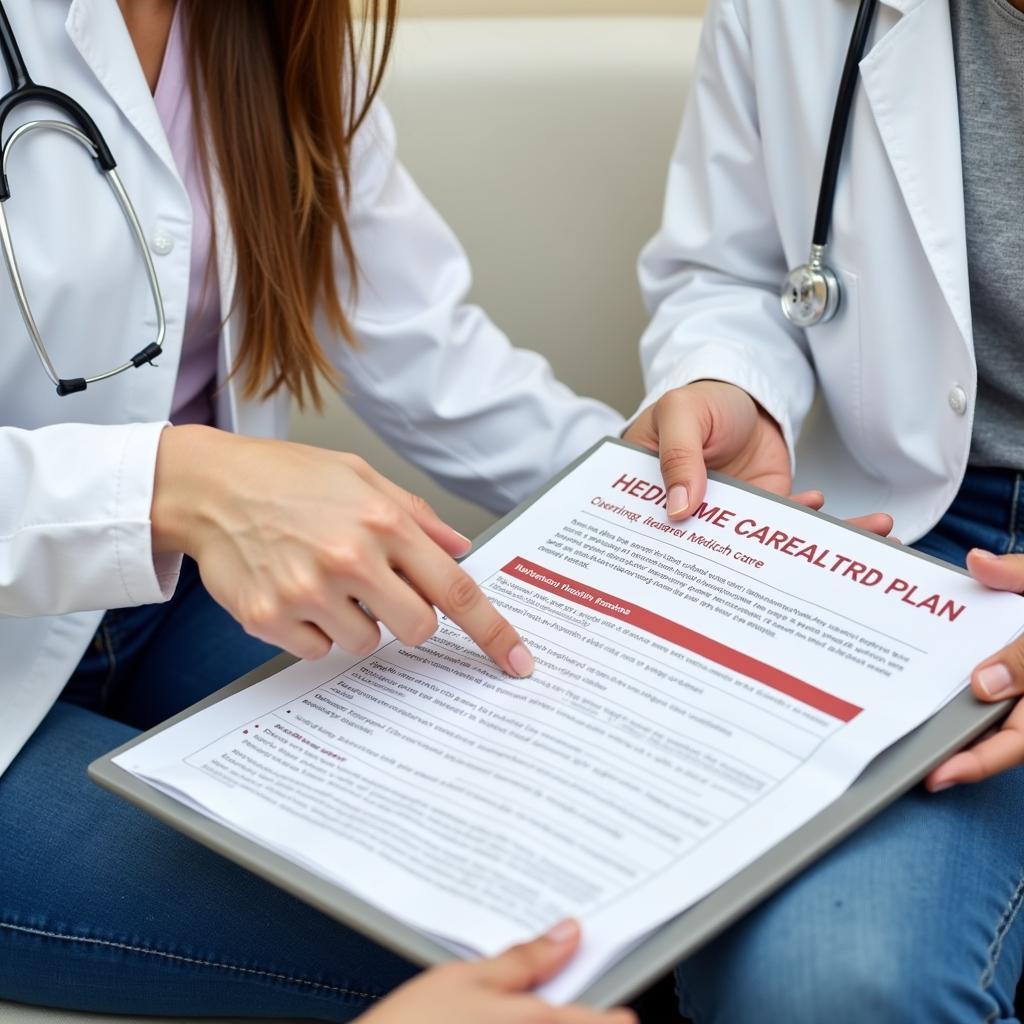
1014, 509
995, 948
180, 958
110, 649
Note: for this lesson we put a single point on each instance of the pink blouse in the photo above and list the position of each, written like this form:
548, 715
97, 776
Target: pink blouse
197, 371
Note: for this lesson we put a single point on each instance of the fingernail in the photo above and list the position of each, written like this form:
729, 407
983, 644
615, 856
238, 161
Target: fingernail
678, 500
942, 787
465, 540
521, 661
995, 680
982, 553
564, 931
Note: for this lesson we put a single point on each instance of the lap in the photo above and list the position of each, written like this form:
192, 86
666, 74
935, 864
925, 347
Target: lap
916, 916
103, 908
149, 663
913, 918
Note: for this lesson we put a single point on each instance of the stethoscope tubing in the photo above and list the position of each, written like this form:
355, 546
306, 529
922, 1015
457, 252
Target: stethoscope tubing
80, 127
841, 122
811, 294
25, 90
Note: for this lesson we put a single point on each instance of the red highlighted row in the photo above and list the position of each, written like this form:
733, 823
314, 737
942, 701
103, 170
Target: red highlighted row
689, 639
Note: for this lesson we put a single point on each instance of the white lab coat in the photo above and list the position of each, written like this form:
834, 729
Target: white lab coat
896, 368
432, 375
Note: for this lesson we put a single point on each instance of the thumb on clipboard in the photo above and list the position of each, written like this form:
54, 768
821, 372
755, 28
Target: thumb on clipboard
496, 990
997, 678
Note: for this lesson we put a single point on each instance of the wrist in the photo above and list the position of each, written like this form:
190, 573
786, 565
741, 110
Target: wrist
713, 387
188, 477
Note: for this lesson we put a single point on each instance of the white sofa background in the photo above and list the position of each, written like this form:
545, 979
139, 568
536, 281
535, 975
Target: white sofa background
544, 142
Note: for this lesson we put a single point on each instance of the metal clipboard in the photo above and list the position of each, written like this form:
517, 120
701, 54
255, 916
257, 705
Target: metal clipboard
889, 776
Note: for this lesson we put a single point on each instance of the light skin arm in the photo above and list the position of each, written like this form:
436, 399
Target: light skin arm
297, 543
305, 547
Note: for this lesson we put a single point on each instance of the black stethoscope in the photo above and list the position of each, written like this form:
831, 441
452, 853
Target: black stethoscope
811, 294
82, 128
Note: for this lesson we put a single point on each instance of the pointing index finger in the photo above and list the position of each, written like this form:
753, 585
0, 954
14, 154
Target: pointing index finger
464, 603
457, 595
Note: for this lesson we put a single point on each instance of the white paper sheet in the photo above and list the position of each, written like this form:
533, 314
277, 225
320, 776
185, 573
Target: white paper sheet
702, 690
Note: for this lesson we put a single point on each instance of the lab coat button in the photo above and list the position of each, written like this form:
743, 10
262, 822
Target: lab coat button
958, 400
161, 243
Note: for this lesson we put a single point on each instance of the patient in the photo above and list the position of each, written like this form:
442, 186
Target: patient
920, 382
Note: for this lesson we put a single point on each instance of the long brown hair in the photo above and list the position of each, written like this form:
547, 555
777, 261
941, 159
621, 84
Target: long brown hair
279, 89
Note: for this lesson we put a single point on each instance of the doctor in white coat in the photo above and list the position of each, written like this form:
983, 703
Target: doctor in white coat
920, 412
103, 627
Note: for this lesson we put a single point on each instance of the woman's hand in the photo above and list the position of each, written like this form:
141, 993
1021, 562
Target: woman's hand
299, 544
995, 679
710, 424
495, 991
713, 425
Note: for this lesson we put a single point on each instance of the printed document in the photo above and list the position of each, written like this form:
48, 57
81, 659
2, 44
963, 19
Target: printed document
702, 690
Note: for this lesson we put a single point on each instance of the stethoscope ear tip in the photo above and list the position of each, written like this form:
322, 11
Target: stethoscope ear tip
76, 123
147, 355
71, 386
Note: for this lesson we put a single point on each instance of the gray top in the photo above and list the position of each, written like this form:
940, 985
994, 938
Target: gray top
988, 40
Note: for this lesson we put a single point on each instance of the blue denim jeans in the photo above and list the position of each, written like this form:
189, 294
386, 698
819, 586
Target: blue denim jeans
915, 918
103, 908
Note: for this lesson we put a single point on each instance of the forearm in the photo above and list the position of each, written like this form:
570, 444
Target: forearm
192, 466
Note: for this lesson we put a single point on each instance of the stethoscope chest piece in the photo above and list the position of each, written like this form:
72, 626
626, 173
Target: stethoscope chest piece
810, 295
80, 127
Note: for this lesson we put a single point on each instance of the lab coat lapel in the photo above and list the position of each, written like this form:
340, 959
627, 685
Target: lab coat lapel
909, 78
98, 32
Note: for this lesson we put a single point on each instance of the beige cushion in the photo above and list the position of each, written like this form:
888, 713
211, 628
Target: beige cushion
555, 8
545, 144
